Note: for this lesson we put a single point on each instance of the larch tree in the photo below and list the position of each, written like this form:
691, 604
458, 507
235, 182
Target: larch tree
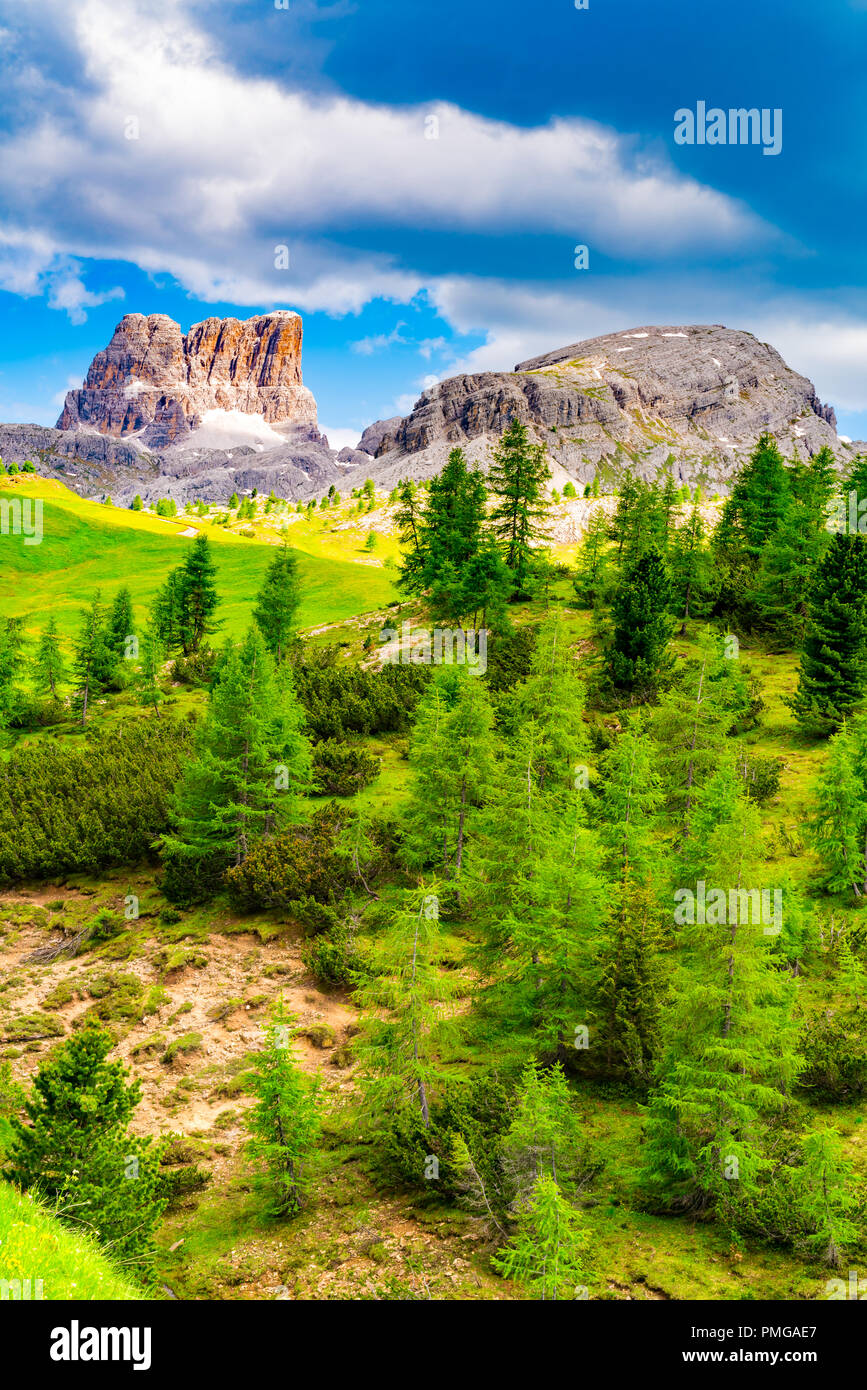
517, 477
251, 763
277, 603
452, 755
49, 668
404, 998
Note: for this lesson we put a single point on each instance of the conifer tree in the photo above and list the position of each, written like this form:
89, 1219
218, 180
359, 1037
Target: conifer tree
639, 660
839, 822
538, 896
833, 670
692, 719
402, 998
669, 500
74, 1148
592, 565
147, 678
451, 757
551, 698
517, 476
632, 977
277, 603
91, 656
409, 523
755, 510
196, 595
11, 662
778, 594
691, 569
828, 1201
632, 985
544, 1136
627, 499
481, 592
453, 517
644, 525
166, 612
120, 624
728, 1058
284, 1123
49, 667
251, 764
629, 804
549, 1252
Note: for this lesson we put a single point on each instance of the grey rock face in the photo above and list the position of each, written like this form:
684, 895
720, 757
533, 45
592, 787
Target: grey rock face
374, 434
354, 458
695, 397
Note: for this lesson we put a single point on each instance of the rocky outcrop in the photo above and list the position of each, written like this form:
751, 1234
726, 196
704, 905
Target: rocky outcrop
158, 386
692, 398
373, 436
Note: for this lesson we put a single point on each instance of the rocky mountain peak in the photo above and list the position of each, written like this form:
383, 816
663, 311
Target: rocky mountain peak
692, 397
157, 385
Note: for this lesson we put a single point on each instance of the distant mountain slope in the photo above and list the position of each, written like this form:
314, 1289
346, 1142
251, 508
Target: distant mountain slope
698, 396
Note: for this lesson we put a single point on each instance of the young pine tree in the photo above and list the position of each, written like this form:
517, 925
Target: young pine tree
251, 764
638, 659
517, 477
277, 603
49, 667
74, 1148
402, 999
284, 1123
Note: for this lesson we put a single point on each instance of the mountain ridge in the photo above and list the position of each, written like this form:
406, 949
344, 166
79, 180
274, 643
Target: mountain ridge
223, 409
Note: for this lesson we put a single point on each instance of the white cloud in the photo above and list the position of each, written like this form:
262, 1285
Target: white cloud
31, 264
379, 342
339, 438
227, 166
67, 291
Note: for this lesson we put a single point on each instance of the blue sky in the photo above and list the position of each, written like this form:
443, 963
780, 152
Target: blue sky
414, 257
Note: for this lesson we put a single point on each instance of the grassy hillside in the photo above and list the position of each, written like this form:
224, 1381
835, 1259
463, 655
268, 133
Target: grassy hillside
186, 991
86, 546
34, 1245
